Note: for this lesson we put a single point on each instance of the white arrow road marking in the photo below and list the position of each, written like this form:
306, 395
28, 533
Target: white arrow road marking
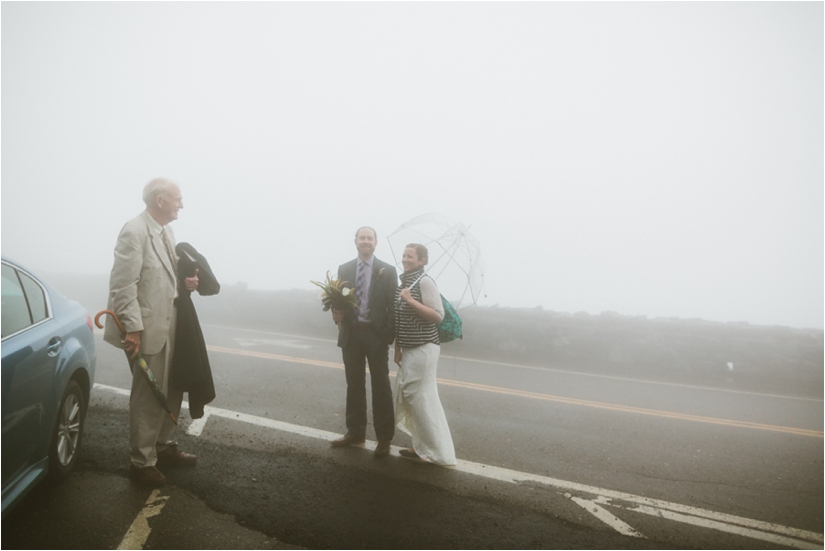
723, 527
607, 517
139, 531
604, 496
757, 529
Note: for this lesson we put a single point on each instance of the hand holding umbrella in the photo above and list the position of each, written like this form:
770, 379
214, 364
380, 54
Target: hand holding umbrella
132, 341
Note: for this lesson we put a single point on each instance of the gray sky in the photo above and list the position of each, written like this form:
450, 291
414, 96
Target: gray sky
660, 159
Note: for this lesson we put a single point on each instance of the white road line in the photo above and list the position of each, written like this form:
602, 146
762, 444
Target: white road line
113, 389
446, 354
607, 517
795, 537
196, 426
139, 531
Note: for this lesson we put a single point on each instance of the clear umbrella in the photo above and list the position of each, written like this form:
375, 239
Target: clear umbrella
454, 255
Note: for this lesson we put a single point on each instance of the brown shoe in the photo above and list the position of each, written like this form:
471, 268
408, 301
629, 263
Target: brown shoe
349, 439
171, 455
382, 449
148, 476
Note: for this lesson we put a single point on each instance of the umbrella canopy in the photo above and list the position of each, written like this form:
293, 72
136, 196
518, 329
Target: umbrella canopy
454, 255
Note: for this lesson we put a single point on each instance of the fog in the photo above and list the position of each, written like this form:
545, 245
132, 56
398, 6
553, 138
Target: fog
658, 159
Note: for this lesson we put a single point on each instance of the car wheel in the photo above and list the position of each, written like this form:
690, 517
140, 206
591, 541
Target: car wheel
68, 432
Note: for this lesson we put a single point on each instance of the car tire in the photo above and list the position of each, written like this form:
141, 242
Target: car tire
68, 432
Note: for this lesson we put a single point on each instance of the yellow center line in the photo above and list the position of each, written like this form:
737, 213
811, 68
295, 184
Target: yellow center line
548, 397
540, 368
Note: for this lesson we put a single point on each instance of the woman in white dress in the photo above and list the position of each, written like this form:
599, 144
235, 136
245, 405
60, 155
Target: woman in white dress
418, 410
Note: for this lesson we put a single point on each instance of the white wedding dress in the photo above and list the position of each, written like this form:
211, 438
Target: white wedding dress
418, 409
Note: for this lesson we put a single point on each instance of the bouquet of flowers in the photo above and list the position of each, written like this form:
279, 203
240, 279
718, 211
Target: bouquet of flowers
338, 295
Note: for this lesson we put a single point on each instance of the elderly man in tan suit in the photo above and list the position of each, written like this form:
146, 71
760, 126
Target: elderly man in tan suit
143, 292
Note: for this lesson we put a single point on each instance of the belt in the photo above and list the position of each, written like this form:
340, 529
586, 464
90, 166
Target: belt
363, 324
175, 302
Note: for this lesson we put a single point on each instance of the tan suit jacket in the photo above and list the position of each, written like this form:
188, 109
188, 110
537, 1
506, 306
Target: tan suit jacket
142, 285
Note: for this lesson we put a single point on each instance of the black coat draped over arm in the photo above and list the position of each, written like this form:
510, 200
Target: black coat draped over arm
190, 364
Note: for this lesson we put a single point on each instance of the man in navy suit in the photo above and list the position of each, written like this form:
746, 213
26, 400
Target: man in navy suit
365, 335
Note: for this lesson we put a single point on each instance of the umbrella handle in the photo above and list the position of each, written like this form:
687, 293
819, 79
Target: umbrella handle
114, 317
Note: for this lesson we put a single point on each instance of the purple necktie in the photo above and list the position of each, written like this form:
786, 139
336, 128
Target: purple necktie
360, 288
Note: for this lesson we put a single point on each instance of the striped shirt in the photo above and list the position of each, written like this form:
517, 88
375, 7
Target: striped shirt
411, 329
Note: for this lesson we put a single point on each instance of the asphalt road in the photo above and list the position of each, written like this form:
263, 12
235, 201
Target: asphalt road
548, 459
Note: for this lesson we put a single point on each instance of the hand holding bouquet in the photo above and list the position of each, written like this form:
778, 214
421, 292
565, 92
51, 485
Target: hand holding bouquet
337, 295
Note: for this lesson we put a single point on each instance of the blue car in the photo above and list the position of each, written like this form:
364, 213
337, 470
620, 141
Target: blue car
48, 370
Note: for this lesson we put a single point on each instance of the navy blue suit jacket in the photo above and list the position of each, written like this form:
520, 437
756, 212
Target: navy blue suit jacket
383, 284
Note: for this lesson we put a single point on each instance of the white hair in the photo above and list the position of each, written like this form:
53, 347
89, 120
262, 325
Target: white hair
154, 188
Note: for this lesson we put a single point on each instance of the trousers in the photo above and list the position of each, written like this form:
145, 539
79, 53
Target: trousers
150, 427
366, 346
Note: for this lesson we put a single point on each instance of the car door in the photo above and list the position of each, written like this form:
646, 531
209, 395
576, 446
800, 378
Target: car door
31, 344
